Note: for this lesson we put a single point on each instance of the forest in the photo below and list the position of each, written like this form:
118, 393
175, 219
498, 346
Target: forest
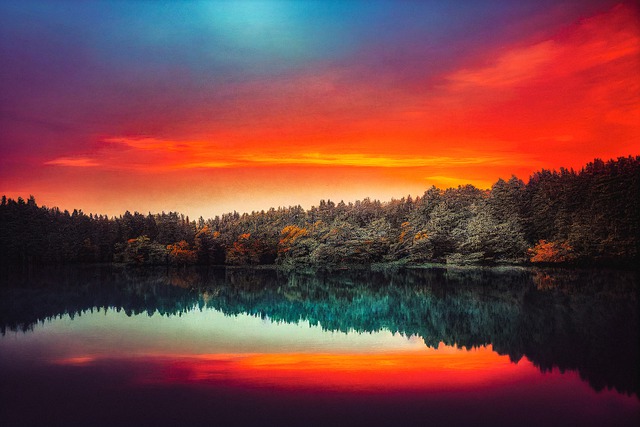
585, 217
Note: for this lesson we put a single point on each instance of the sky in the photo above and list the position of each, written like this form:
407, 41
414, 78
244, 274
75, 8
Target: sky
210, 107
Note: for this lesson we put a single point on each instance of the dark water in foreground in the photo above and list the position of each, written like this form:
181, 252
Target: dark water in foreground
116, 346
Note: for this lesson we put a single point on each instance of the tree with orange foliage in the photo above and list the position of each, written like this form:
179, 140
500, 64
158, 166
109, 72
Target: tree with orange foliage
553, 252
296, 244
181, 254
288, 237
142, 250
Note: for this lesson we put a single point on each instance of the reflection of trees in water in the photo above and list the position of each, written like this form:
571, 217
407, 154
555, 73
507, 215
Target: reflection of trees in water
569, 319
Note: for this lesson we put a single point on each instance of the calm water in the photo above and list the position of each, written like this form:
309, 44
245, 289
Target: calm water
115, 346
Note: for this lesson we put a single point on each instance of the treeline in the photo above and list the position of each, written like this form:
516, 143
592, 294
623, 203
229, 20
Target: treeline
565, 216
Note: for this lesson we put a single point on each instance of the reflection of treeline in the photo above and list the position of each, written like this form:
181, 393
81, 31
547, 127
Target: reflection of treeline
32, 296
582, 320
558, 216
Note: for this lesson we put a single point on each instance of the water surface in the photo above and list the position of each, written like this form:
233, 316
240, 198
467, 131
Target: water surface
105, 346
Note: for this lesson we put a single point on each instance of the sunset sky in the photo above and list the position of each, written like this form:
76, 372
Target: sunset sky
210, 107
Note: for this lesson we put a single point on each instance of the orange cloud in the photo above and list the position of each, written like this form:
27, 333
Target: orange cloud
164, 155
366, 160
513, 67
79, 162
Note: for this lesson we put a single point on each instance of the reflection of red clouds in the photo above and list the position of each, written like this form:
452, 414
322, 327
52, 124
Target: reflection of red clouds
445, 369
76, 361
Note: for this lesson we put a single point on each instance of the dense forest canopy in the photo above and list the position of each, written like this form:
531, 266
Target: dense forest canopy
586, 216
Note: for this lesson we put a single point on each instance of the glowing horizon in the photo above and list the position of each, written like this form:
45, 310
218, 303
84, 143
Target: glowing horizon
113, 107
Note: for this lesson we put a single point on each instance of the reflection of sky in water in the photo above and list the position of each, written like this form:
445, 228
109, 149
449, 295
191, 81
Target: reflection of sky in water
196, 332
101, 356
204, 346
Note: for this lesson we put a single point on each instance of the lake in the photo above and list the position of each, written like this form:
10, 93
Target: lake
109, 345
